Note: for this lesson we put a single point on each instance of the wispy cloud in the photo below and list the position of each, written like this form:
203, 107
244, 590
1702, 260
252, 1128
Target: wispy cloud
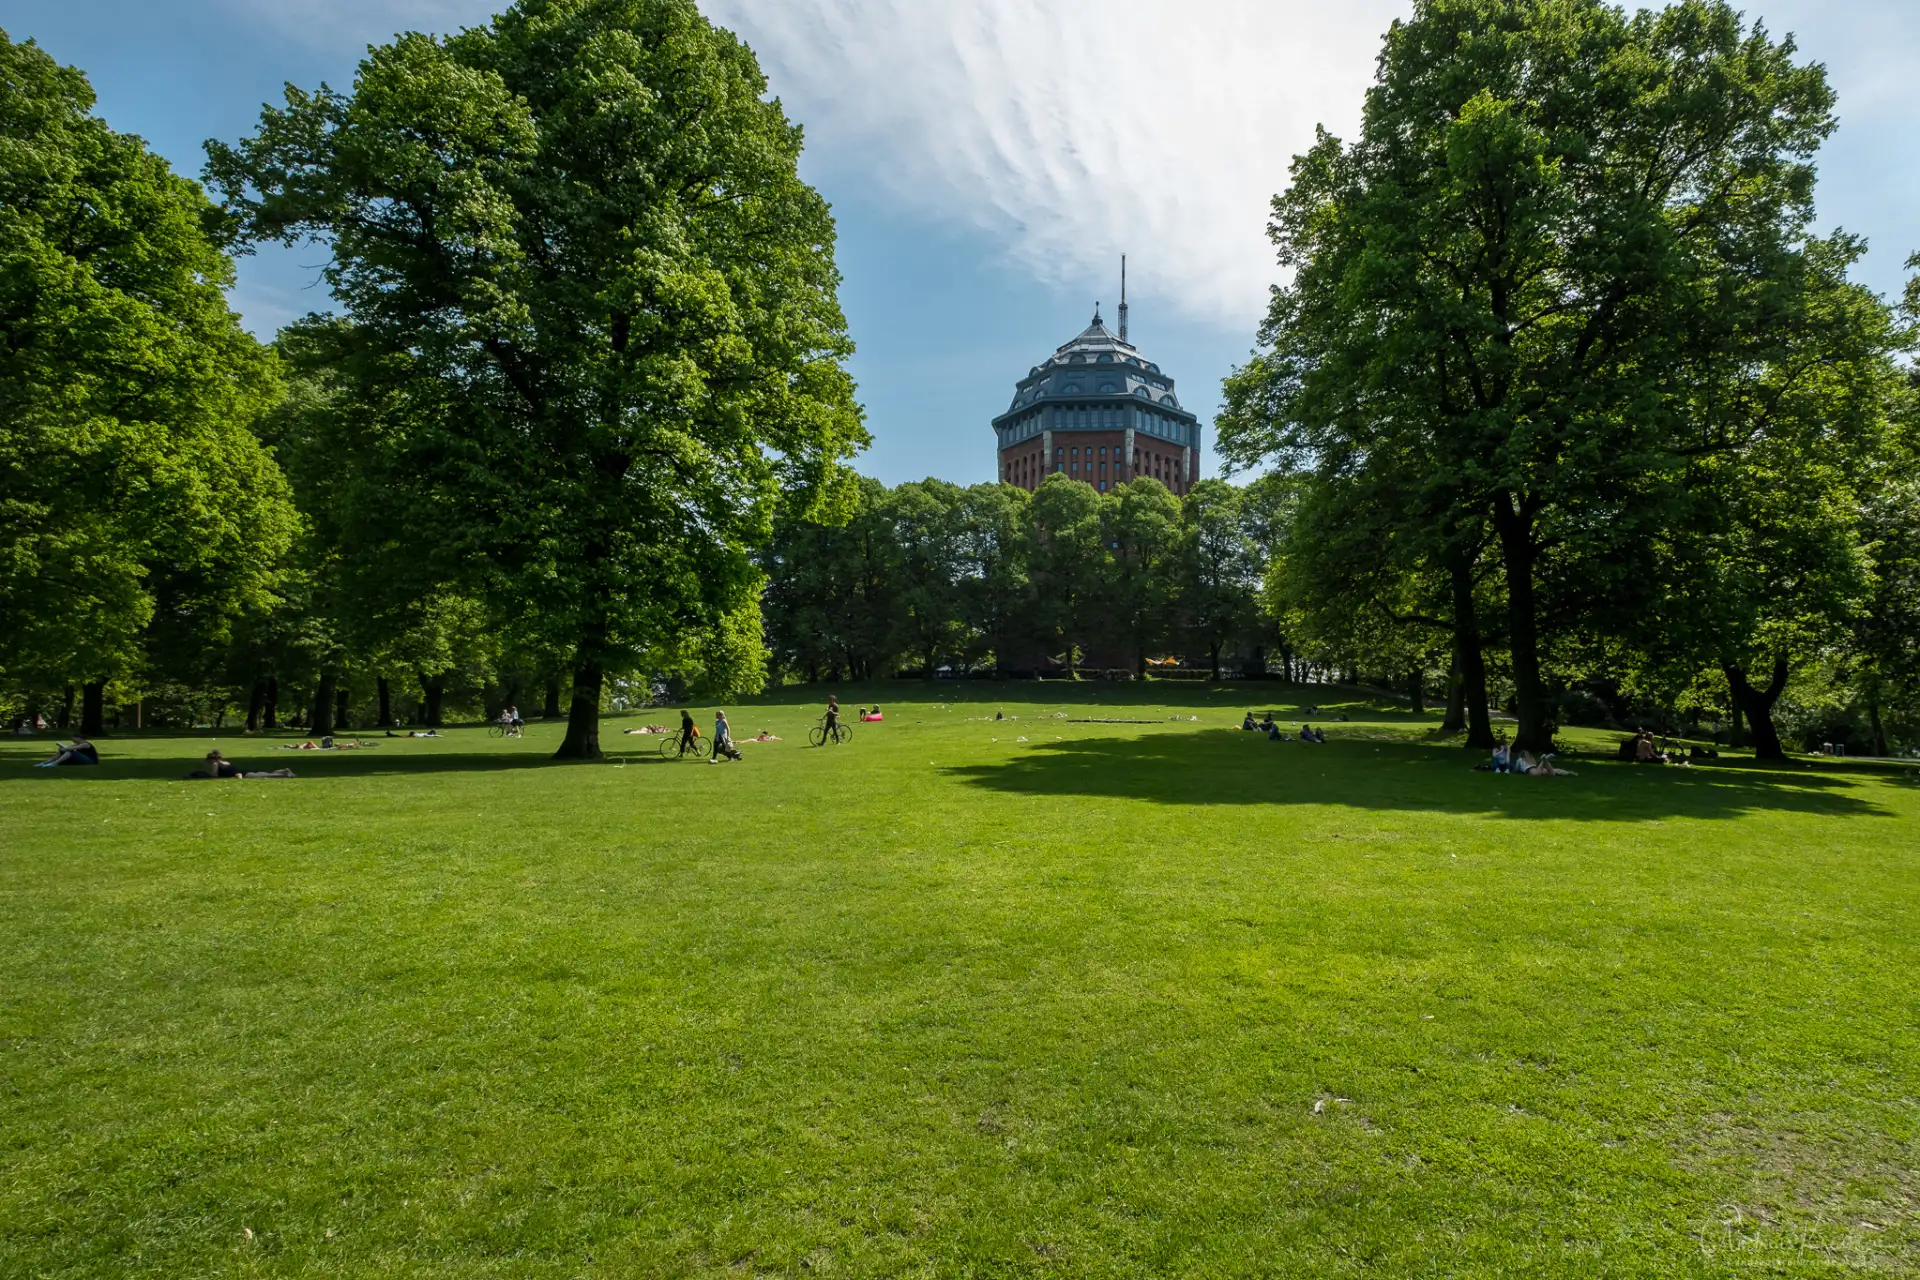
1067, 132
1071, 132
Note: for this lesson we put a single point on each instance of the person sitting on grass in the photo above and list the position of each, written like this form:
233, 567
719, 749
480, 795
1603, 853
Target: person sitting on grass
1502, 760
1310, 734
1266, 725
218, 766
872, 716
1273, 732
1248, 725
80, 752
723, 739
1644, 752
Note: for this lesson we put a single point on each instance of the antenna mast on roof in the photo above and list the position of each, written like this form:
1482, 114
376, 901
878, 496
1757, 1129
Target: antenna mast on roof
1123, 297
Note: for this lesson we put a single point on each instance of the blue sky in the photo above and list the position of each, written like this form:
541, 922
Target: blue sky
988, 162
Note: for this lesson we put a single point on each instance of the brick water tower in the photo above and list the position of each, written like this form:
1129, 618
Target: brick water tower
1098, 411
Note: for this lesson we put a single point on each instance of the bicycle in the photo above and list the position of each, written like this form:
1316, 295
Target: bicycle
820, 734
673, 748
502, 729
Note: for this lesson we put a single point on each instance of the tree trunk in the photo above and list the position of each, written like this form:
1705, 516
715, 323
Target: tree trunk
1213, 658
93, 708
583, 717
1519, 551
342, 699
1417, 691
270, 718
551, 711
435, 689
256, 704
66, 710
321, 721
1470, 660
386, 702
1456, 718
1873, 721
1757, 704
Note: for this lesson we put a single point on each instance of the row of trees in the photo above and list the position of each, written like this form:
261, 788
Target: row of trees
586, 344
991, 578
1568, 379
1564, 399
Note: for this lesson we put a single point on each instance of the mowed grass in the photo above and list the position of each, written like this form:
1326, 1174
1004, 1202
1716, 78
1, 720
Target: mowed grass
961, 998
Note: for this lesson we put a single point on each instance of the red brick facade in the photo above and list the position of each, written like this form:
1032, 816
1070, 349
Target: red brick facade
1098, 458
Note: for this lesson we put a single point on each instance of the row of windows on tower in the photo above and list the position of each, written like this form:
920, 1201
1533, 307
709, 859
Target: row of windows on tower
1067, 460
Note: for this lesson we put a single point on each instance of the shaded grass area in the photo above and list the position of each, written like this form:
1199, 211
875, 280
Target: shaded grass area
1116, 1000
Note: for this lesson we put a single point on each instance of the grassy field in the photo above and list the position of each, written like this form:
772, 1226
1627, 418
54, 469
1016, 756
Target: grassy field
961, 998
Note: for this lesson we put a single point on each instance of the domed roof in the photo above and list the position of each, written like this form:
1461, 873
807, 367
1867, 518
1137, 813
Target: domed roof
1092, 344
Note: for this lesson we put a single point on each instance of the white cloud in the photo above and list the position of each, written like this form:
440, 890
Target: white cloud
1066, 131
1072, 132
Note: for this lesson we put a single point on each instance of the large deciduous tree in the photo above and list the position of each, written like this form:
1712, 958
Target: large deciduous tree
138, 514
1553, 219
576, 240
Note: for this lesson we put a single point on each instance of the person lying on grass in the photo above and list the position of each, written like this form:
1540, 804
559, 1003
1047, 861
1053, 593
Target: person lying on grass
1543, 767
1310, 734
767, 735
652, 728
218, 766
871, 716
80, 752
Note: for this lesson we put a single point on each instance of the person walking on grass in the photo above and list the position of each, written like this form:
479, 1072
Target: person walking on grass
723, 739
832, 722
688, 731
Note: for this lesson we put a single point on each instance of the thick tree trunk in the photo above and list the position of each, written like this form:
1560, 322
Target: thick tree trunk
1519, 551
1213, 660
93, 708
66, 710
1470, 662
551, 711
270, 717
342, 699
386, 702
321, 721
583, 717
1757, 704
256, 705
435, 689
1417, 691
1456, 718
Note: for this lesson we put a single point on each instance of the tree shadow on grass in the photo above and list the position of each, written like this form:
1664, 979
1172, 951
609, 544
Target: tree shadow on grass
1385, 774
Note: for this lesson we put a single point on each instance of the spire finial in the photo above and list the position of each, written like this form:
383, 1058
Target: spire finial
1123, 297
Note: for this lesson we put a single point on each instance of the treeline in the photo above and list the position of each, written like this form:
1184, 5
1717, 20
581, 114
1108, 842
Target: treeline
585, 345
932, 578
1575, 392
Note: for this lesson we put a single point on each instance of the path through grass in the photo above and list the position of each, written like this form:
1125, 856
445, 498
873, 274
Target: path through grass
1113, 1000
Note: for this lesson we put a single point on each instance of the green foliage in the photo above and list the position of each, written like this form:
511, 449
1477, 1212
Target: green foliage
594, 303
138, 514
1563, 290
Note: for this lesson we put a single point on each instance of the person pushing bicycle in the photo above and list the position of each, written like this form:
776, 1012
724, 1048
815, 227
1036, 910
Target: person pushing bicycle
688, 731
832, 723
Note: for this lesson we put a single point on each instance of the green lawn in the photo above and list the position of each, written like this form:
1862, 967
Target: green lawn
961, 998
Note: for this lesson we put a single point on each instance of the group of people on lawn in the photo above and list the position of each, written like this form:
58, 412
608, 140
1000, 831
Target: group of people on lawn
1269, 727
